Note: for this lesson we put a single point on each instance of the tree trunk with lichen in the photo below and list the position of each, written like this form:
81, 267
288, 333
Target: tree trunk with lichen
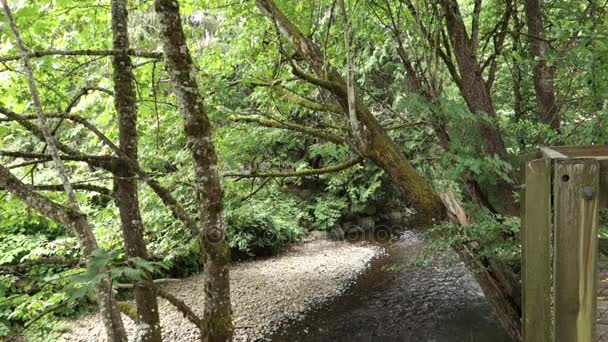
217, 317
70, 216
127, 199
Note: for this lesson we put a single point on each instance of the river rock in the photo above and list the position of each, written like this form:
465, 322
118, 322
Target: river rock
351, 227
337, 233
317, 235
395, 216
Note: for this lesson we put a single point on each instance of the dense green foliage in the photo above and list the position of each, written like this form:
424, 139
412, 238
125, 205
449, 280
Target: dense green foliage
239, 57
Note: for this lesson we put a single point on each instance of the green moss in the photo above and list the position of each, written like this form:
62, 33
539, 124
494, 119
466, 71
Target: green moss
220, 328
128, 309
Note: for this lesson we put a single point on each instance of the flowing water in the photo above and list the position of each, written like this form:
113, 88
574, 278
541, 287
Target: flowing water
398, 301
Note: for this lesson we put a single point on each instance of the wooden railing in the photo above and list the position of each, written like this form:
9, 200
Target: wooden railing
564, 189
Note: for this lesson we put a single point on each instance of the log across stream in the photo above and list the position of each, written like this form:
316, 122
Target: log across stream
398, 301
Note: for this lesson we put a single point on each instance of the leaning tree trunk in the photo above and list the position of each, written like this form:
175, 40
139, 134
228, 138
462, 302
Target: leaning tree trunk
499, 284
72, 216
127, 198
217, 309
544, 74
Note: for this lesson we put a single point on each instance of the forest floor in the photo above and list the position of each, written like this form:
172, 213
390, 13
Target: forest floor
267, 294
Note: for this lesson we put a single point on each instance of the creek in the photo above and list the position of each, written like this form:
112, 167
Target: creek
397, 300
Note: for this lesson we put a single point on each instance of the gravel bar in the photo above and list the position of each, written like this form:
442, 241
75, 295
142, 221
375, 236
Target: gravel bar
267, 294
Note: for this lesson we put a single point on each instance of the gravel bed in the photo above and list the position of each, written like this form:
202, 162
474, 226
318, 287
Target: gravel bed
267, 294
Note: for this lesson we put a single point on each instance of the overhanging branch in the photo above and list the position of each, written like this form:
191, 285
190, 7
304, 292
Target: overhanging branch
95, 160
59, 187
301, 173
315, 132
300, 100
130, 52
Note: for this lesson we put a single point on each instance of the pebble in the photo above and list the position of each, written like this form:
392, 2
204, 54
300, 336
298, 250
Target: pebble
267, 294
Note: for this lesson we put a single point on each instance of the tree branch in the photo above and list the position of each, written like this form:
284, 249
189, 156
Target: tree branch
301, 173
300, 100
182, 307
130, 52
59, 187
446, 56
323, 83
94, 160
85, 91
47, 207
292, 127
475, 24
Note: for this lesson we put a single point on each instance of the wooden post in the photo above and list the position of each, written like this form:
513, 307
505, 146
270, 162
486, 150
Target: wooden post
536, 250
576, 193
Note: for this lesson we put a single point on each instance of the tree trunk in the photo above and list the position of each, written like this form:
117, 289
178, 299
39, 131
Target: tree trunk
78, 223
544, 74
217, 311
497, 281
72, 216
478, 98
127, 199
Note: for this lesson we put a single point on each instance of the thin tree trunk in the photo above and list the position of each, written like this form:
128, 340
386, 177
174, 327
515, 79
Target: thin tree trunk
217, 317
516, 73
544, 74
127, 199
73, 216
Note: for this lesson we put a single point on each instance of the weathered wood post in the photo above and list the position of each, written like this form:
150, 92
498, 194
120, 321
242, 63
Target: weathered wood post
576, 221
536, 251
560, 222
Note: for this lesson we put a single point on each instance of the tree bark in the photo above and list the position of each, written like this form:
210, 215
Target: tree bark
217, 317
73, 216
478, 98
127, 199
544, 74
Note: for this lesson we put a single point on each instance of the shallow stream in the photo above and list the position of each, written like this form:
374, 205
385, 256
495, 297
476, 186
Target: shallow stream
396, 300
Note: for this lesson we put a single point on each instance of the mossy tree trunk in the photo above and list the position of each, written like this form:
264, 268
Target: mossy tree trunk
476, 93
71, 216
217, 317
127, 199
544, 73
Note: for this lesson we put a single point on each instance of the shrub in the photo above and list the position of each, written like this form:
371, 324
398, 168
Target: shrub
252, 232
